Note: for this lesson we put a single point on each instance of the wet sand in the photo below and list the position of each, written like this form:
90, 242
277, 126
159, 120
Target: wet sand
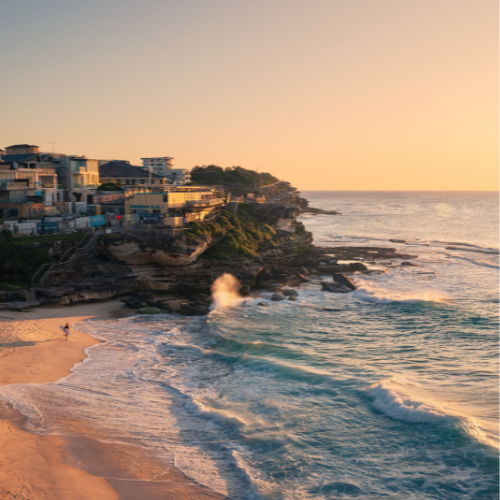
33, 467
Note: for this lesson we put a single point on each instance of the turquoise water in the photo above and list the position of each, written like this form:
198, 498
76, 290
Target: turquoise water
392, 393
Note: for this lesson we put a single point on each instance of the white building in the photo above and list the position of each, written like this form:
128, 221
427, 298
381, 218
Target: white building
158, 165
163, 166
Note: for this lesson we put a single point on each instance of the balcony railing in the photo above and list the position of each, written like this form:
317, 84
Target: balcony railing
95, 185
205, 203
14, 186
48, 185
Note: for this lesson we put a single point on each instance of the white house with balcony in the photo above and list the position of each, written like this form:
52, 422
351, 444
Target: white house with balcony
79, 176
163, 166
34, 173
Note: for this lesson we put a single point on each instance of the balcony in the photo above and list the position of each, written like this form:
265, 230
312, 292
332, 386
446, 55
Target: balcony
90, 186
48, 185
22, 184
205, 203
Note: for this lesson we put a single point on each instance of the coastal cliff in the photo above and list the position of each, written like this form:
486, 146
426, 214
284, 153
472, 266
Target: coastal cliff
262, 244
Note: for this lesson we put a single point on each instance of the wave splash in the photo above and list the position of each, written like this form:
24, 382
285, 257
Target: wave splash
225, 291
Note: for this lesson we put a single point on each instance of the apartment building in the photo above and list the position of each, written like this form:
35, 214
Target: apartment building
163, 167
28, 183
133, 178
176, 206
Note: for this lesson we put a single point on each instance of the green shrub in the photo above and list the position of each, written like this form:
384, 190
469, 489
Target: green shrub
111, 186
212, 174
245, 236
18, 262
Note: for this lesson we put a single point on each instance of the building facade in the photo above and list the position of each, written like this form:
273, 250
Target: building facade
134, 179
163, 167
27, 185
176, 206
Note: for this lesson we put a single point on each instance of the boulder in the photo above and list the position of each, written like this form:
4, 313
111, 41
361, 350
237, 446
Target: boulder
193, 309
275, 287
149, 310
334, 287
165, 306
244, 290
290, 292
357, 266
406, 263
277, 297
293, 297
261, 304
265, 278
344, 280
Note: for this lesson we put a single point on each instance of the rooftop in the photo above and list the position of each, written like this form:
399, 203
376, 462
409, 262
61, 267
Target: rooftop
22, 146
123, 169
21, 158
157, 158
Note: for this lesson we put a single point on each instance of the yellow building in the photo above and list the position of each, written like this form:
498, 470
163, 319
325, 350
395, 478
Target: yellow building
176, 206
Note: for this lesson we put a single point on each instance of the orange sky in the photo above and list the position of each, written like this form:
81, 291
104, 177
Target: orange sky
328, 94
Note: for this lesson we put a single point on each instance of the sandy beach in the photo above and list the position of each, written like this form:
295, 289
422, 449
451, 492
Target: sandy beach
33, 467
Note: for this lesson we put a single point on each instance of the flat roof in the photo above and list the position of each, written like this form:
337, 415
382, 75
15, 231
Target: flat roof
157, 158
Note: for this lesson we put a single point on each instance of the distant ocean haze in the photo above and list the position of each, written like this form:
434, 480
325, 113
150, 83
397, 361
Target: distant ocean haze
387, 392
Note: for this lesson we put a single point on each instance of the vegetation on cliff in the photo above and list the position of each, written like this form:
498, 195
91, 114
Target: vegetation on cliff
19, 262
212, 174
245, 235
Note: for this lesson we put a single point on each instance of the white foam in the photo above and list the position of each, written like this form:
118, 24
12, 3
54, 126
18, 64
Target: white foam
402, 400
400, 407
378, 295
225, 292
217, 414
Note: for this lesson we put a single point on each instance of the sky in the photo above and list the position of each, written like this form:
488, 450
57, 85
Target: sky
327, 94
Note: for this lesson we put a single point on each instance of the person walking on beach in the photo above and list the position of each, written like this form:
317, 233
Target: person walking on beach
65, 329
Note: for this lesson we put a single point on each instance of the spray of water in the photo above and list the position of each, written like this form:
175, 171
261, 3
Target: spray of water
225, 291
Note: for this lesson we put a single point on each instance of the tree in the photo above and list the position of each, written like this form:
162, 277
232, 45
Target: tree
111, 186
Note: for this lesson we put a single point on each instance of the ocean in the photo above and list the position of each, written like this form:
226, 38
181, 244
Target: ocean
389, 392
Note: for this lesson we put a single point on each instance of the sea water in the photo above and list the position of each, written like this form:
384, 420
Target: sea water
387, 392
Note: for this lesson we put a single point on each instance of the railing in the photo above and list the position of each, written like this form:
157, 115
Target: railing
91, 185
46, 273
210, 201
148, 232
19, 184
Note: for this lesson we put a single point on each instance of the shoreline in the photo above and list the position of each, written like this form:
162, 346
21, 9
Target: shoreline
38, 467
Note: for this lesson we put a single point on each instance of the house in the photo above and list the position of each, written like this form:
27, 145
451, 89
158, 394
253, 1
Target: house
177, 205
133, 178
22, 149
15, 189
78, 176
159, 165
37, 177
179, 176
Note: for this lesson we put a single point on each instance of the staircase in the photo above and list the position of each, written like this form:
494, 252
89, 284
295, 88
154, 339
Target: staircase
48, 273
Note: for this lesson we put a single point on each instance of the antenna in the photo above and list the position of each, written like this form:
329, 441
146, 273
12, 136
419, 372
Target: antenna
52, 145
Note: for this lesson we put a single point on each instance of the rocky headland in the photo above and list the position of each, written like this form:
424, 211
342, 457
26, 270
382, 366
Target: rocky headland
262, 245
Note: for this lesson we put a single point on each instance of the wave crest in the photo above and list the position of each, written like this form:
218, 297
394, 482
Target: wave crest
387, 400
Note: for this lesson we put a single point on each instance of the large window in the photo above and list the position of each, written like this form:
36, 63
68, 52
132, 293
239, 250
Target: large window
6, 177
13, 197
